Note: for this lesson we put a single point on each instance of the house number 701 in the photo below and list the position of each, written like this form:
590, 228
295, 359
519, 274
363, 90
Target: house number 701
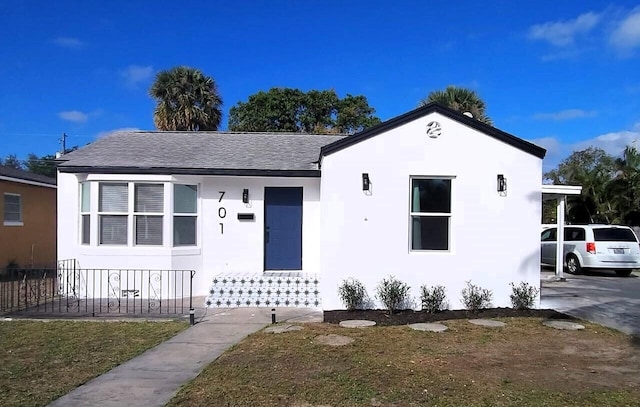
222, 212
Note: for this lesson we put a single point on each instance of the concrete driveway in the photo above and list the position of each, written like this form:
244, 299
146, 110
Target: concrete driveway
600, 297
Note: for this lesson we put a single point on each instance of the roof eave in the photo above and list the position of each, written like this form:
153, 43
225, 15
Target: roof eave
27, 181
244, 172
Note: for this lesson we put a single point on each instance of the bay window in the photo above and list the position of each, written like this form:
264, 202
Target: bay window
137, 213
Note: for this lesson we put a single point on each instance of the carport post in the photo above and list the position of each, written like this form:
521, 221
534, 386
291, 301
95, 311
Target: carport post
560, 237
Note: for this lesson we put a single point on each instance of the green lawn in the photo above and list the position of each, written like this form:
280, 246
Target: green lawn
522, 364
41, 361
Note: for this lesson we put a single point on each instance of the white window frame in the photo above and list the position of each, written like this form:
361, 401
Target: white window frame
132, 210
84, 213
4, 210
448, 215
194, 215
126, 214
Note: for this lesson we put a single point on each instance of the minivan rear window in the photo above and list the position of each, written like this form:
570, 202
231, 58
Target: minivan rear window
613, 235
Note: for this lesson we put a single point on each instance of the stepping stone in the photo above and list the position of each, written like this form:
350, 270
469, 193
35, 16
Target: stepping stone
567, 325
487, 322
429, 327
278, 329
356, 323
333, 340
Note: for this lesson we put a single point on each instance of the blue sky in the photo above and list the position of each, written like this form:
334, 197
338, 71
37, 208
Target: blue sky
562, 74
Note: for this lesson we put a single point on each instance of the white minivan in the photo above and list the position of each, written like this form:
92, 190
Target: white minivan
593, 247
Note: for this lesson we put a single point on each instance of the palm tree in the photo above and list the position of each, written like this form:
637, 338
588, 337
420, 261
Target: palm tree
187, 100
460, 99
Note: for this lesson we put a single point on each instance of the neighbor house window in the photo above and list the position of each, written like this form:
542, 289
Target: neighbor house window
185, 214
430, 213
85, 212
12, 209
113, 205
148, 210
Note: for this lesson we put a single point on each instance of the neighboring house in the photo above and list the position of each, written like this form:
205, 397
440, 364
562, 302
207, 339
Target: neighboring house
282, 219
28, 228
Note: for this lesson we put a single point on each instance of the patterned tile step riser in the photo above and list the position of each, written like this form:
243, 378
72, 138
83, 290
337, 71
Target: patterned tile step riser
274, 290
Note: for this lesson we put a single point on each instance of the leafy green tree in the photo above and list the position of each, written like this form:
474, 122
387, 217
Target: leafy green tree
460, 99
625, 187
275, 110
291, 110
355, 114
187, 100
12, 161
593, 169
44, 165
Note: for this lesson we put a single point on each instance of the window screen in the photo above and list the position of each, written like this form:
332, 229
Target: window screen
12, 208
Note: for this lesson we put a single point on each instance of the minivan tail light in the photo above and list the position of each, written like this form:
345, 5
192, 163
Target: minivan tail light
591, 248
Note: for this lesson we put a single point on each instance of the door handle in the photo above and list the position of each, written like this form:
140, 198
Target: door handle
266, 234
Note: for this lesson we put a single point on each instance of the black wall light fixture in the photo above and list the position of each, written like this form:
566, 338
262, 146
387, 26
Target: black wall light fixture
245, 195
502, 184
366, 183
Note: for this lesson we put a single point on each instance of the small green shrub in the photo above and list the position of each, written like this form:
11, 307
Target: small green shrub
433, 298
353, 294
475, 298
393, 294
523, 295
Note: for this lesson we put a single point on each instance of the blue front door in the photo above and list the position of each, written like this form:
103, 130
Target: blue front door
283, 228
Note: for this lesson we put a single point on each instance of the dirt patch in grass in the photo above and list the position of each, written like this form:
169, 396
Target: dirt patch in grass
523, 364
41, 361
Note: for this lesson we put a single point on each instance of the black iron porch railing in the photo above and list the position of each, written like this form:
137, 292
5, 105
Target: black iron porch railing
96, 292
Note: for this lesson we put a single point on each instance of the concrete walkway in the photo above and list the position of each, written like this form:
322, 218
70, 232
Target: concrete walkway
154, 377
599, 297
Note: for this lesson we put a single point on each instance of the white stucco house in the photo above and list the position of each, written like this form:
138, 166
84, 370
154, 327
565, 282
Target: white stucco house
432, 197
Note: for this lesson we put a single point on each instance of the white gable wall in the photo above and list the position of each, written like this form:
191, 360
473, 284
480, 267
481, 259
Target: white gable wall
494, 240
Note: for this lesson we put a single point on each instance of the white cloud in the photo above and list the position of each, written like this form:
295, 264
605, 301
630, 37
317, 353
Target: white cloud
563, 33
568, 114
626, 35
612, 143
69, 42
551, 144
74, 116
136, 74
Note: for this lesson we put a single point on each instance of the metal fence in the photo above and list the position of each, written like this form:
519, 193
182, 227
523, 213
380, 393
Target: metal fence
96, 292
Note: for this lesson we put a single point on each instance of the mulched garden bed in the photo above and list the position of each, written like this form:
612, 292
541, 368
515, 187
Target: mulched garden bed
382, 317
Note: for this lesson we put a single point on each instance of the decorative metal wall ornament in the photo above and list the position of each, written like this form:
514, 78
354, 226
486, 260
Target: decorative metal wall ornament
434, 130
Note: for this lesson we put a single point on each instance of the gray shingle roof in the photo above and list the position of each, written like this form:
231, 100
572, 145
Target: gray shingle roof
11, 172
200, 151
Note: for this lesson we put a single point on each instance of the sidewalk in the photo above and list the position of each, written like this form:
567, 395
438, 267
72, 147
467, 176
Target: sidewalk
154, 377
